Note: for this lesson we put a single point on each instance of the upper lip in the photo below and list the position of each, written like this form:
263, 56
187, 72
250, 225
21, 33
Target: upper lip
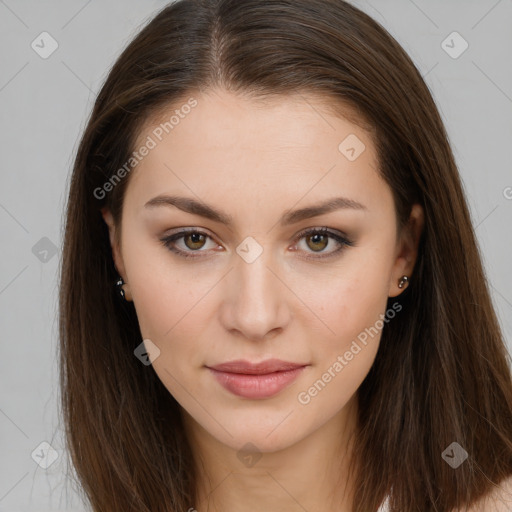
267, 366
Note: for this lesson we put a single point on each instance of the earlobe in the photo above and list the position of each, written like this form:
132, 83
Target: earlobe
398, 286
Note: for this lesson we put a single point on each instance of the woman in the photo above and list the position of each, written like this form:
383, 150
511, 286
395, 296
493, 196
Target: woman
272, 296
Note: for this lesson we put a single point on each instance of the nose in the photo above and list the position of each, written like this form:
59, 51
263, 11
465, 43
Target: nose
256, 303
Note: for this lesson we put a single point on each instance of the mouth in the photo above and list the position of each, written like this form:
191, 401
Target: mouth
256, 380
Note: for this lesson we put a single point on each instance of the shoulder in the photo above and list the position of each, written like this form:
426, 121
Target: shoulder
498, 500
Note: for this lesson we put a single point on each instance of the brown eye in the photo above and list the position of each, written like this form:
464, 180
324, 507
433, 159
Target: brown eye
317, 241
197, 240
189, 244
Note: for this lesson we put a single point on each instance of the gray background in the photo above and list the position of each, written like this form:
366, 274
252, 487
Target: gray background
44, 105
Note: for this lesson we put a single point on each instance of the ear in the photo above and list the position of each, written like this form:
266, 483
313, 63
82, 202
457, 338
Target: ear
116, 250
407, 249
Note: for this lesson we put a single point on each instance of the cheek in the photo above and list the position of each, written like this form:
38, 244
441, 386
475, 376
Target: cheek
352, 303
171, 311
163, 295
354, 310
351, 299
171, 314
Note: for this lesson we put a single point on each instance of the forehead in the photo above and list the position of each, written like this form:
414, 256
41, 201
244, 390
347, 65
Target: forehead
247, 119
282, 146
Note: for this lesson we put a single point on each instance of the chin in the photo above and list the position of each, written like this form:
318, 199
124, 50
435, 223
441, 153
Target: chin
266, 436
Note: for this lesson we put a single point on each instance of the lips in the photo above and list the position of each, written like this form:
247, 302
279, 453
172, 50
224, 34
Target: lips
248, 368
256, 380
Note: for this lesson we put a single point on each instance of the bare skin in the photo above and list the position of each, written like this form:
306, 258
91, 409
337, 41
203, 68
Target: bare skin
300, 300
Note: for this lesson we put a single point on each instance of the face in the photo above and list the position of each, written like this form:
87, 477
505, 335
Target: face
268, 276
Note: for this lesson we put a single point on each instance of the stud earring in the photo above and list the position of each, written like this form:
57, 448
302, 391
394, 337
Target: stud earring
119, 287
402, 281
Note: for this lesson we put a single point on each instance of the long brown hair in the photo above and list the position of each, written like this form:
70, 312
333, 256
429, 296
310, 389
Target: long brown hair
441, 373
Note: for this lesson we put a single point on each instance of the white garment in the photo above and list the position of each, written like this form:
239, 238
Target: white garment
384, 506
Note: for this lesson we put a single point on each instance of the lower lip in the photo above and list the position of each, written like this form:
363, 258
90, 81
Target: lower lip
256, 386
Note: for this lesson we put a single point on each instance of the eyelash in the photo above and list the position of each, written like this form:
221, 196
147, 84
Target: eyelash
342, 240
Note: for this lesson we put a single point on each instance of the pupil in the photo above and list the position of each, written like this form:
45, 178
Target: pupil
315, 238
195, 238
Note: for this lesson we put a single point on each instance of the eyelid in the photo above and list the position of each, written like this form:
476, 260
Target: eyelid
167, 241
322, 230
341, 238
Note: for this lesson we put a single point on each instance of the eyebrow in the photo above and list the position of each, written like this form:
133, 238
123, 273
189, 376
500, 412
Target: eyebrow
190, 205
